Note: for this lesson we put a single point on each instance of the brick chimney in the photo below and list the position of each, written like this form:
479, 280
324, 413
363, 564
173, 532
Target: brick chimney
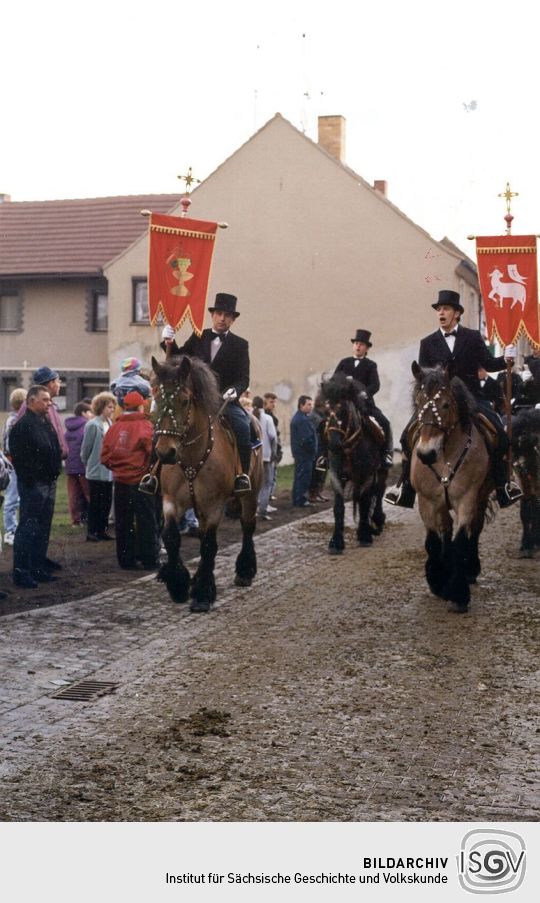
332, 136
4, 198
382, 186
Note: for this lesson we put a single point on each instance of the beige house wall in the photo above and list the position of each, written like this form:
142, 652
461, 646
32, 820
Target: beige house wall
312, 253
54, 330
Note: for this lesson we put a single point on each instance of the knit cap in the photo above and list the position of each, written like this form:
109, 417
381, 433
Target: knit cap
130, 365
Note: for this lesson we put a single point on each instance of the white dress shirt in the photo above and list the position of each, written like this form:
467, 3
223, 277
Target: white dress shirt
450, 340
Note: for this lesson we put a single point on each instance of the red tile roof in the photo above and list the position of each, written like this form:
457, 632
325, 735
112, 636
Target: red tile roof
73, 237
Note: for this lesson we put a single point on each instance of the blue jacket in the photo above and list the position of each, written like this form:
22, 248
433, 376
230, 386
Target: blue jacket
303, 437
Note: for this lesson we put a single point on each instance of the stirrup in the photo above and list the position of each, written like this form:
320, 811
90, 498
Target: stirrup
256, 444
149, 484
242, 483
392, 495
388, 459
402, 495
509, 494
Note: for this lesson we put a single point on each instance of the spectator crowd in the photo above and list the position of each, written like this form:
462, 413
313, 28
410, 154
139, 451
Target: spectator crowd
106, 447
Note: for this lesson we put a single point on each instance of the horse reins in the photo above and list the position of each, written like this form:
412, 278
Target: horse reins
349, 439
190, 471
431, 404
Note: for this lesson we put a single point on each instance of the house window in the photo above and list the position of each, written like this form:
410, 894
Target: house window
88, 388
7, 384
100, 312
140, 312
140, 301
10, 313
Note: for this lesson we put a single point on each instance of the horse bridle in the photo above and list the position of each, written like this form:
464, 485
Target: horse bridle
349, 438
166, 409
431, 405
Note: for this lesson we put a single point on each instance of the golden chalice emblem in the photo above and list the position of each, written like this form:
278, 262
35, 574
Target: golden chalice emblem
180, 267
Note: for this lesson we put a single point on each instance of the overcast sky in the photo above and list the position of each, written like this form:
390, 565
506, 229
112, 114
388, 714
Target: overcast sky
108, 98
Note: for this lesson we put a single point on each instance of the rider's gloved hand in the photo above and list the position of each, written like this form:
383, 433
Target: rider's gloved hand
168, 333
230, 394
510, 353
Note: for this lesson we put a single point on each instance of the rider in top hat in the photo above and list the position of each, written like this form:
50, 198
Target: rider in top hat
463, 351
228, 357
364, 371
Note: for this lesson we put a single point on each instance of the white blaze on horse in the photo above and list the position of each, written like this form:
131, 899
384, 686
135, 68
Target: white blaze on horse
516, 290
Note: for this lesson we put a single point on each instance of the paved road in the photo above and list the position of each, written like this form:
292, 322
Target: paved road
337, 689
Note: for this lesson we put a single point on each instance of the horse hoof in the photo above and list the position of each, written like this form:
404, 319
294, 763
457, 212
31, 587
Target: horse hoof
242, 581
333, 551
198, 606
457, 609
365, 544
471, 580
526, 553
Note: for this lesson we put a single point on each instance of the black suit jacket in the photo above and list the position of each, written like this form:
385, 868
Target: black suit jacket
492, 392
470, 352
364, 372
231, 363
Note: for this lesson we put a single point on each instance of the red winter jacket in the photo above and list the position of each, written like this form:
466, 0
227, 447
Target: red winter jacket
127, 447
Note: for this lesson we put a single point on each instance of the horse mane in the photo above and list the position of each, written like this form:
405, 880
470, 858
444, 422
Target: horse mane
431, 380
340, 389
201, 380
526, 425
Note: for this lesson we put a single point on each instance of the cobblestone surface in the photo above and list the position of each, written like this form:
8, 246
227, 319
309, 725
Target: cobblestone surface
336, 689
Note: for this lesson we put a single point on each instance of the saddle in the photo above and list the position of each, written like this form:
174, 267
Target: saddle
487, 431
255, 429
375, 430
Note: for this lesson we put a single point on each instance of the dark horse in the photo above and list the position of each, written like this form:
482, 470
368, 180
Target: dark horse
355, 445
526, 451
450, 470
199, 464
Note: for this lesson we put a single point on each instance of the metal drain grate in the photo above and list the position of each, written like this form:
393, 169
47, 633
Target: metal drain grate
85, 690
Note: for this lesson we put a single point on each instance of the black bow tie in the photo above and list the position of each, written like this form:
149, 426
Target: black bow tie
448, 334
218, 335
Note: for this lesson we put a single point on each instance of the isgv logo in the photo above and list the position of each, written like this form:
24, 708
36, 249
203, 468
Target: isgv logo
491, 862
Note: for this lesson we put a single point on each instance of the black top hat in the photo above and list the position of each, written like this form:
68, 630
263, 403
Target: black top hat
363, 335
451, 299
225, 303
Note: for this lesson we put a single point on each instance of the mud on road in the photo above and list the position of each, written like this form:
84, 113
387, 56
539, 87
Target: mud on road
337, 689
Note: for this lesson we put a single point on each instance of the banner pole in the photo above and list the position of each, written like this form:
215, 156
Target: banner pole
508, 402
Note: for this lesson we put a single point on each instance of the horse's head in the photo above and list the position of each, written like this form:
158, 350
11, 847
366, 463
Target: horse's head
174, 400
345, 401
440, 403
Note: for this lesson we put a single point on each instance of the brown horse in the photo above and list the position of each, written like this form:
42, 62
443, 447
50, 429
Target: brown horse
199, 464
450, 470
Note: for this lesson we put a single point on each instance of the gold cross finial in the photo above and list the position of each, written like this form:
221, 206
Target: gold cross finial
507, 194
189, 180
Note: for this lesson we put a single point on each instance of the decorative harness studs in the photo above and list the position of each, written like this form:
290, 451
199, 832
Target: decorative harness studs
190, 471
166, 409
431, 404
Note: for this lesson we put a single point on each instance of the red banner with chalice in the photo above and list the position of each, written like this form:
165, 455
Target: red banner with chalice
179, 269
507, 270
